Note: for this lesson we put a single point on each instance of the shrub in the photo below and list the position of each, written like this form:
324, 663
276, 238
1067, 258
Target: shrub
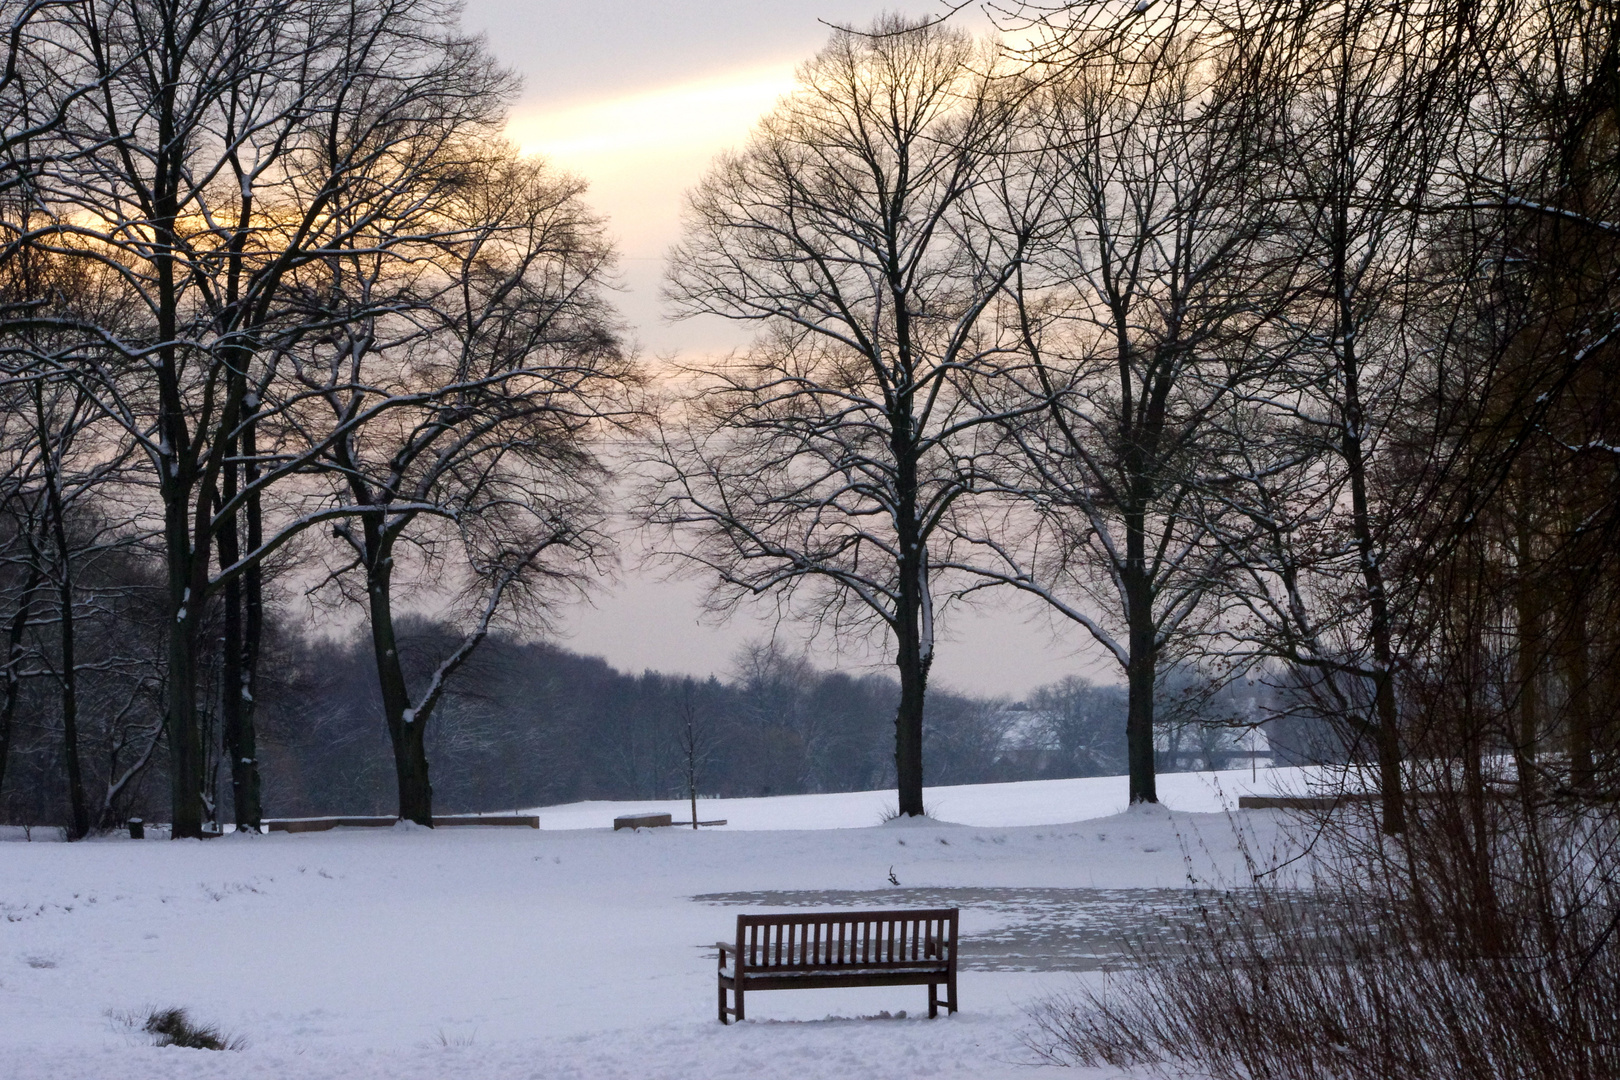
1481, 945
174, 1027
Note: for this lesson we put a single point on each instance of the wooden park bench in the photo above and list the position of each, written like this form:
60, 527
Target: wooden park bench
841, 948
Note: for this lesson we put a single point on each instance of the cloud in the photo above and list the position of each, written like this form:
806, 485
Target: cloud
640, 152
702, 116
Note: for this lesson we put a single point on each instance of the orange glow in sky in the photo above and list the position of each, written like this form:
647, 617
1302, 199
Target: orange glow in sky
640, 152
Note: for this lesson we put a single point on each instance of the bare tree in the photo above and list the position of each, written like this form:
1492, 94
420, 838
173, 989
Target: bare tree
1371, 119
817, 466
67, 467
66, 634
698, 742
227, 146
32, 102
508, 359
1141, 310
58, 424
1082, 719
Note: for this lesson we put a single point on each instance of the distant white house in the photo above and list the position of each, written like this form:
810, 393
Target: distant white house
1031, 744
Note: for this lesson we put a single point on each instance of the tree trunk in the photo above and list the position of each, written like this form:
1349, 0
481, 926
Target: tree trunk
235, 699
80, 824
1488, 925
70, 686
180, 717
908, 726
1390, 787
1141, 668
177, 481
1380, 627
690, 746
1578, 673
1469, 602
185, 748
14, 655
405, 729
913, 659
914, 630
1527, 657
250, 801
1141, 673
1528, 667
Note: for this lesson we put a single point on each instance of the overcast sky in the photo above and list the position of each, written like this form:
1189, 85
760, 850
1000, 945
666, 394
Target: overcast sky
637, 96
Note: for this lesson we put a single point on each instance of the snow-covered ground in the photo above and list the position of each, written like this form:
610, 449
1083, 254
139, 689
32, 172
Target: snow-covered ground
1032, 802
578, 952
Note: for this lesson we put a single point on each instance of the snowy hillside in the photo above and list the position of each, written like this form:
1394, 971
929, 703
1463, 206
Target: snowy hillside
578, 952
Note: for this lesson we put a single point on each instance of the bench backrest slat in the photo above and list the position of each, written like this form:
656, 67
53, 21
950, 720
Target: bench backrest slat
849, 939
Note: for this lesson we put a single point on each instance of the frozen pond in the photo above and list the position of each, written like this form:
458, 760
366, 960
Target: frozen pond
1013, 929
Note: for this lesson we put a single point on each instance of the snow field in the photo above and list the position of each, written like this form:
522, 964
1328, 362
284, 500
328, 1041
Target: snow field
1031, 802
515, 953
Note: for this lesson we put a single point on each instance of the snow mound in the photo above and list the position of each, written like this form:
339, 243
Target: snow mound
919, 821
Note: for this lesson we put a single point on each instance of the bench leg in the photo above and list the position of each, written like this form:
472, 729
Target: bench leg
950, 993
722, 1003
738, 995
933, 1000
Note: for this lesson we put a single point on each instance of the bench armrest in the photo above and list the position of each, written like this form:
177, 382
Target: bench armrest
725, 947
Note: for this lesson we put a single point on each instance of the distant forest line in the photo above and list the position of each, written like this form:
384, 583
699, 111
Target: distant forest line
533, 724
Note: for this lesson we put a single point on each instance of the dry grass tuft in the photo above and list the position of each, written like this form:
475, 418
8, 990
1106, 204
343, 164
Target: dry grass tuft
174, 1027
